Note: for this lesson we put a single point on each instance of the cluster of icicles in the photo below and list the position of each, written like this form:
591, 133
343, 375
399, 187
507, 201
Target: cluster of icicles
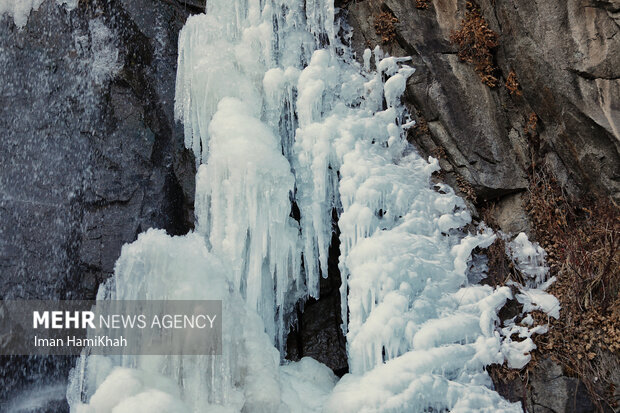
278, 112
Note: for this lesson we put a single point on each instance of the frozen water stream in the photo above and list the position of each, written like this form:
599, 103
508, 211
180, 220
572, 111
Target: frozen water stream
277, 111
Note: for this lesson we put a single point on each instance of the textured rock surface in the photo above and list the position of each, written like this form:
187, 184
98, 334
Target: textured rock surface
89, 155
554, 392
565, 55
551, 392
318, 333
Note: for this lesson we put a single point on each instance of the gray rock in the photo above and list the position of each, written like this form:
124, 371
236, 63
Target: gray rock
464, 116
90, 155
318, 333
510, 215
548, 390
565, 55
552, 391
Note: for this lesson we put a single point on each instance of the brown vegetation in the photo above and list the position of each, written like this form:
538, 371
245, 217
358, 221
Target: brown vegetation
466, 188
422, 125
475, 42
439, 152
582, 240
385, 26
421, 4
531, 127
512, 84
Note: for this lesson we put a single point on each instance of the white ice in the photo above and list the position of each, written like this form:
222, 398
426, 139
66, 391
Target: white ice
248, 374
529, 258
538, 299
20, 9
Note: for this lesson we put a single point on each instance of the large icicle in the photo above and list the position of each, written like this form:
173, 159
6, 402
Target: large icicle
403, 257
246, 376
243, 206
234, 95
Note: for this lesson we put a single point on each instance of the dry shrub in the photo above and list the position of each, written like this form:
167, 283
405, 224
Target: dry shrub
422, 125
476, 41
420, 130
466, 188
531, 127
439, 152
582, 240
421, 4
385, 26
512, 84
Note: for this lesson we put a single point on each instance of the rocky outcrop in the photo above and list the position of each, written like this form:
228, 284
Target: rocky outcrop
564, 57
551, 391
90, 155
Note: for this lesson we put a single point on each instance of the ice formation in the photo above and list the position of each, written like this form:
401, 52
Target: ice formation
517, 351
104, 63
20, 9
538, 299
247, 375
529, 258
280, 117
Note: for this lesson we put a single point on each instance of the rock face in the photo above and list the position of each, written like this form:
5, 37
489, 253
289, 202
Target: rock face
552, 391
90, 155
318, 333
565, 57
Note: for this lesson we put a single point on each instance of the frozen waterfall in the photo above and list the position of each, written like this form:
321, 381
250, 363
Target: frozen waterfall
278, 112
